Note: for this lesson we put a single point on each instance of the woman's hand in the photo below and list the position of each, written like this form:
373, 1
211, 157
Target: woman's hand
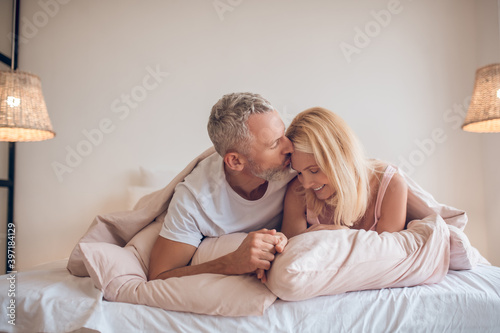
281, 241
316, 227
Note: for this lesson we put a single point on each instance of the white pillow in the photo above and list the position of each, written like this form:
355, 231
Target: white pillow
462, 254
156, 178
137, 192
151, 180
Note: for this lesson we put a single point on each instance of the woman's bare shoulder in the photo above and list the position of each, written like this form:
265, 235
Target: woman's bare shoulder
294, 185
397, 183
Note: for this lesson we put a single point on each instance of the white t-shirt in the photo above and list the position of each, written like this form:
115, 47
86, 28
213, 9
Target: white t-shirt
205, 205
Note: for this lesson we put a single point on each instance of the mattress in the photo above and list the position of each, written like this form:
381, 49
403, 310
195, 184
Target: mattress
49, 299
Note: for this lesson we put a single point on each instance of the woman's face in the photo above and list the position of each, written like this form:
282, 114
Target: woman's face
310, 175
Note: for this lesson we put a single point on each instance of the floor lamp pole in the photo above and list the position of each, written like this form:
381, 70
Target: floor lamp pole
10, 237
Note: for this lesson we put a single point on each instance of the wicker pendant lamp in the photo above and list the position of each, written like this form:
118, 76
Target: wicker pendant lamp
23, 117
483, 115
23, 113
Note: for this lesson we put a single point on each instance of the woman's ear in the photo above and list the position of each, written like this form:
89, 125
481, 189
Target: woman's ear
234, 161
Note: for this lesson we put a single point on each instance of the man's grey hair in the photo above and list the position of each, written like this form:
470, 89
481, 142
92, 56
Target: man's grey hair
227, 124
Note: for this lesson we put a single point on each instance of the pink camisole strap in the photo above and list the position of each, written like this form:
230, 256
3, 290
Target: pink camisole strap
384, 182
311, 217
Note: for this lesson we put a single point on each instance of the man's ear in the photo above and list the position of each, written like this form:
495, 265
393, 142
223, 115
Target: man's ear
234, 161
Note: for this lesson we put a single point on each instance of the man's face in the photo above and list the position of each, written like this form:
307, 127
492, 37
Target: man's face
269, 151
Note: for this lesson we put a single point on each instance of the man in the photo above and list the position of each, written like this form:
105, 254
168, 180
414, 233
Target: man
240, 189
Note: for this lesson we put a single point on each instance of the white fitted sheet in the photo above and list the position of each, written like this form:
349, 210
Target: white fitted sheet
49, 299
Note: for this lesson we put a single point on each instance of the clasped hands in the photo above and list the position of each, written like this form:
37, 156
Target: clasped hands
257, 251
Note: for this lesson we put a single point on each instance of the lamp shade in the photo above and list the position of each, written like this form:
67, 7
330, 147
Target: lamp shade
23, 113
484, 109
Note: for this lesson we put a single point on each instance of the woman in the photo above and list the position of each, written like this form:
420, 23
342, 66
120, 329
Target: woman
336, 186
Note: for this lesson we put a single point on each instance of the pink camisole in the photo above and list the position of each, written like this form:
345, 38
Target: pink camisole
384, 183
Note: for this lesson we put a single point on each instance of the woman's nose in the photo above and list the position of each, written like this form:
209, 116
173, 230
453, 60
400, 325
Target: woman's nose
306, 182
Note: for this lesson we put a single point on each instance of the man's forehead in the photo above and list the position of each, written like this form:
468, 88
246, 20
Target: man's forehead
271, 120
266, 127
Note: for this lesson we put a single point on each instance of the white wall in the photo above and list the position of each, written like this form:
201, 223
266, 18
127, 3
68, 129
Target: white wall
410, 79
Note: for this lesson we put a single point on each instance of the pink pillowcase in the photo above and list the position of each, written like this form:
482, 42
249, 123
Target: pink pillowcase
120, 273
333, 262
313, 264
462, 254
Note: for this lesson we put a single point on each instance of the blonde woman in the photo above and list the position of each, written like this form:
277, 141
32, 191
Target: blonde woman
337, 186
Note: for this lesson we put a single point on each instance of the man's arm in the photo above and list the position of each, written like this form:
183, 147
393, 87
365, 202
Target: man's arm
168, 255
170, 258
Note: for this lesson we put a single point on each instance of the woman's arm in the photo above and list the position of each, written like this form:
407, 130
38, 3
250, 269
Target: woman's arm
294, 211
393, 210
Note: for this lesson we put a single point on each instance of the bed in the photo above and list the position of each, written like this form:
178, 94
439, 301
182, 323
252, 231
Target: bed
49, 299
425, 278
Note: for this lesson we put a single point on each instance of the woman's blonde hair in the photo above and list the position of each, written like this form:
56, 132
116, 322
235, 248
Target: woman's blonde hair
340, 156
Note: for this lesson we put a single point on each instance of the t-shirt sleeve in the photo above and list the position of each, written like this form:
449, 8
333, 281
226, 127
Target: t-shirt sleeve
183, 218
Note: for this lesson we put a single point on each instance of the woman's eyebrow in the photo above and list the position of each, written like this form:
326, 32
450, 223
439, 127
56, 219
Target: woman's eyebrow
308, 167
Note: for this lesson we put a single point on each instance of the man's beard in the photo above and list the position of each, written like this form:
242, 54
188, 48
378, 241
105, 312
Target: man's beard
272, 174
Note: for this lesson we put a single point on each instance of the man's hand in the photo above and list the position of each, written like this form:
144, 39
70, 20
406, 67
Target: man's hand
256, 252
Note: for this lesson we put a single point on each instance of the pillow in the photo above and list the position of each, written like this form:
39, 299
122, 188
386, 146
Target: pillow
331, 262
106, 262
215, 247
120, 273
143, 243
462, 254
156, 178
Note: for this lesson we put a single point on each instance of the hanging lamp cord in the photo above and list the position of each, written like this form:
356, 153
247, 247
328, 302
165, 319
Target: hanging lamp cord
14, 37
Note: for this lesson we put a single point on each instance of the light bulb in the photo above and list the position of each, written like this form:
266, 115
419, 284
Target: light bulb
13, 101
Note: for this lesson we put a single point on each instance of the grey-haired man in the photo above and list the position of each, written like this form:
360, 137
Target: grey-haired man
238, 189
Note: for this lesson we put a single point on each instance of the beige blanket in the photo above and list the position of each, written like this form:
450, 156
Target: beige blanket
119, 228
